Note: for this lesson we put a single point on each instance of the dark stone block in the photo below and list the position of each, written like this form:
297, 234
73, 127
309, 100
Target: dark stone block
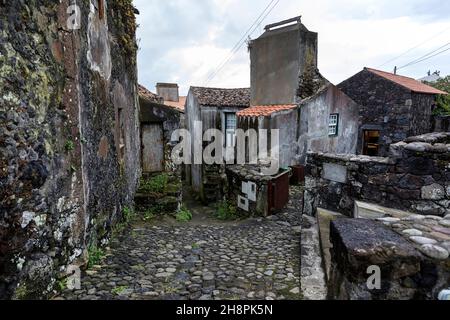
420, 166
359, 244
415, 182
36, 173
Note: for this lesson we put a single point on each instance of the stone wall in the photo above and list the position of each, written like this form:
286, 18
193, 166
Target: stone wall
415, 178
441, 124
68, 104
248, 191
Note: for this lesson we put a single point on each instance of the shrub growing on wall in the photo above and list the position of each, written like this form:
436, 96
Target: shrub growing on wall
443, 101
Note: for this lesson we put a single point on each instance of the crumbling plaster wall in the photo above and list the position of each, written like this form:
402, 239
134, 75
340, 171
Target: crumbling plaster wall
62, 183
314, 120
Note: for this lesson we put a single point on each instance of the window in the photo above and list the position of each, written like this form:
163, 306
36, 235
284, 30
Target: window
371, 143
230, 129
333, 125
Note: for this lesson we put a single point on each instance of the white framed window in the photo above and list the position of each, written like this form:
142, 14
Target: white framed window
333, 125
230, 129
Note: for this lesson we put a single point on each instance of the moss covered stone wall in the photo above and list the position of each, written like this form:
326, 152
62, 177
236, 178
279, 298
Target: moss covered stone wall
69, 142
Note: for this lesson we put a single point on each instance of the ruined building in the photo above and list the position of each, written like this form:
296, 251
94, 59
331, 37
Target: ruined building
215, 109
289, 93
392, 108
69, 136
158, 124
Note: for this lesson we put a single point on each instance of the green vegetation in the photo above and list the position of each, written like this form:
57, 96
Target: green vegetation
21, 293
119, 290
128, 214
69, 146
443, 101
157, 184
126, 26
149, 215
62, 284
184, 215
96, 255
226, 211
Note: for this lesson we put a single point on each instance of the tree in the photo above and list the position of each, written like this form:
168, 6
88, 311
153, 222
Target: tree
443, 101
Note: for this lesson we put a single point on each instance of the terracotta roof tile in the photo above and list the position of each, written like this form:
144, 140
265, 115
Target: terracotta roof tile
222, 97
409, 83
264, 111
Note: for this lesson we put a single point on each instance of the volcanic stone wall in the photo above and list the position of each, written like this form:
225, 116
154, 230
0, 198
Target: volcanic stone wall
415, 178
69, 135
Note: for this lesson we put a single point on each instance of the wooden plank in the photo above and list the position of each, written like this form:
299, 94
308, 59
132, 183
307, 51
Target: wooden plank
281, 23
152, 148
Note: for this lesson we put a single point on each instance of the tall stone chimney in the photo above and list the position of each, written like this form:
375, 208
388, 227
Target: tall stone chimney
283, 59
169, 91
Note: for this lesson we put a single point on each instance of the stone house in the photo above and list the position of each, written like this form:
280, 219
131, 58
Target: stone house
158, 124
69, 138
216, 109
392, 108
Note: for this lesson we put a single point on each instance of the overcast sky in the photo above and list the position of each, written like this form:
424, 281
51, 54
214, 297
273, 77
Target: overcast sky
183, 41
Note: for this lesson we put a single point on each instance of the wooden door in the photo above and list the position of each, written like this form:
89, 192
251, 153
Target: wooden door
152, 148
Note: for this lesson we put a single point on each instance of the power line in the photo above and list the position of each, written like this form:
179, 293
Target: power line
424, 56
240, 40
434, 55
238, 45
241, 44
415, 47
243, 40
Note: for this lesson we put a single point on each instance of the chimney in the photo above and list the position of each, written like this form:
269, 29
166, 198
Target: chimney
168, 91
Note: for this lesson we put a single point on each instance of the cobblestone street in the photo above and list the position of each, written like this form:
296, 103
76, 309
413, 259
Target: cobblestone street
204, 259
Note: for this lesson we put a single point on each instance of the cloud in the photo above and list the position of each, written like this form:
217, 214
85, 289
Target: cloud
185, 40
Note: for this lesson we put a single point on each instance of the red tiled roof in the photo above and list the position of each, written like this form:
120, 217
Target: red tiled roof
409, 83
177, 105
264, 111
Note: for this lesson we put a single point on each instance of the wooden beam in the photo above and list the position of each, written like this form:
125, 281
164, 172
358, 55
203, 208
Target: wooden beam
281, 23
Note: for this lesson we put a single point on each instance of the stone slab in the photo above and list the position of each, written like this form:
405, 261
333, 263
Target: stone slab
359, 244
335, 172
324, 218
364, 210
